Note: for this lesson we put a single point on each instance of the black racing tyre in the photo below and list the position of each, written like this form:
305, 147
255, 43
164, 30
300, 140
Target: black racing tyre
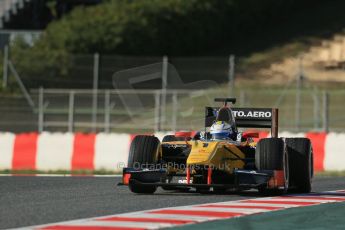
143, 151
271, 154
142, 189
301, 164
169, 138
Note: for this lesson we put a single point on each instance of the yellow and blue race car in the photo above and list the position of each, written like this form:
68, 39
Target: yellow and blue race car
222, 158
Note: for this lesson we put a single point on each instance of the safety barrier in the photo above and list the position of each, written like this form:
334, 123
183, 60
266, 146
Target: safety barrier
103, 151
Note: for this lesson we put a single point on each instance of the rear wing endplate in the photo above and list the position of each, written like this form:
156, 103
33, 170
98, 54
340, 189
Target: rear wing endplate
248, 118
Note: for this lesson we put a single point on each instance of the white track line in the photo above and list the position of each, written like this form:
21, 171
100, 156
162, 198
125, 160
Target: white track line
168, 216
127, 224
297, 200
216, 209
251, 204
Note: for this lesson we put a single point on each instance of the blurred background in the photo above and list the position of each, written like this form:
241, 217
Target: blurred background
132, 66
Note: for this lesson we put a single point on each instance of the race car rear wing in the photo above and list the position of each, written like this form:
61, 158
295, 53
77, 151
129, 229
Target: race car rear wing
248, 118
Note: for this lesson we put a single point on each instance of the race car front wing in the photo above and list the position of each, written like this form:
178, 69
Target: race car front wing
243, 179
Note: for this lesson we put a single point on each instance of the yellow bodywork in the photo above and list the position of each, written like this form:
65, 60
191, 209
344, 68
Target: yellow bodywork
218, 154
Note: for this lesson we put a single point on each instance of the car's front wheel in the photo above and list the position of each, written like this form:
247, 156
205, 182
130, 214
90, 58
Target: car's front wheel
271, 154
143, 153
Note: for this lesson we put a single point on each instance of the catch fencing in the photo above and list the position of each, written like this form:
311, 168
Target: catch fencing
171, 110
112, 93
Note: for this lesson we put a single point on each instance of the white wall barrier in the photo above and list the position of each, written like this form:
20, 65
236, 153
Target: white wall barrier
77, 151
335, 152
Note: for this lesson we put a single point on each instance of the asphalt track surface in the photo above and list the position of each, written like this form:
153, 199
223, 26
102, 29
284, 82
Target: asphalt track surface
26, 201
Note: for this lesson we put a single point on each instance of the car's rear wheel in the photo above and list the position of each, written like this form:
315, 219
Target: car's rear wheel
171, 138
271, 154
301, 164
143, 153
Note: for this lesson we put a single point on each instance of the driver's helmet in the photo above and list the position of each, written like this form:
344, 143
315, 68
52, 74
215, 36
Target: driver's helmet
221, 130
